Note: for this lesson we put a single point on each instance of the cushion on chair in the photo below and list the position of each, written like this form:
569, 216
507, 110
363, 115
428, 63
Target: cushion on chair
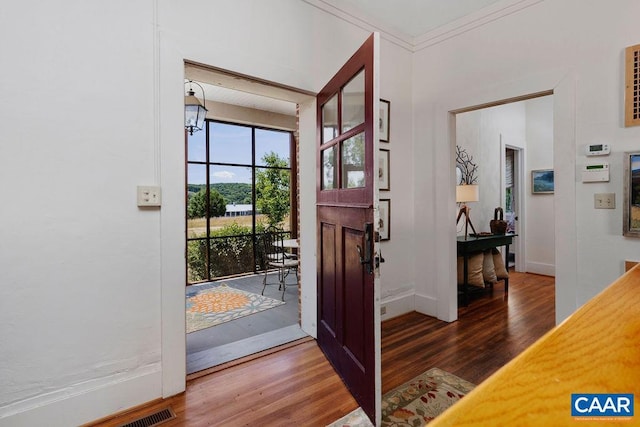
498, 262
488, 268
474, 270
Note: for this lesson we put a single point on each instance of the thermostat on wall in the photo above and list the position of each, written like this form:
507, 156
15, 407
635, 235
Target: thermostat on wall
598, 149
597, 172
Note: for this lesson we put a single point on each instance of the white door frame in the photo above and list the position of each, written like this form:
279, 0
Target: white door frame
519, 180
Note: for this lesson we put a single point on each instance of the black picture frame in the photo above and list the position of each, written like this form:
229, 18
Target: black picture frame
385, 115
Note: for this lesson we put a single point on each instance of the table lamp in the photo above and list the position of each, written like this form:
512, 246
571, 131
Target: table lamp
466, 193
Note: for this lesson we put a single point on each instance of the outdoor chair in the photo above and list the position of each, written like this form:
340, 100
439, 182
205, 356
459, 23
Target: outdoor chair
276, 256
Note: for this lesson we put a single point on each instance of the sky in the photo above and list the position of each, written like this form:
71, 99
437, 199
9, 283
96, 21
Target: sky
231, 144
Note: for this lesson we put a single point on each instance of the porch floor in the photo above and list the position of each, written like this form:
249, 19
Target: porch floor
249, 334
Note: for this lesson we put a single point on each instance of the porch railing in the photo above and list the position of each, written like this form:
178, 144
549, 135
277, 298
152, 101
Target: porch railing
216, 257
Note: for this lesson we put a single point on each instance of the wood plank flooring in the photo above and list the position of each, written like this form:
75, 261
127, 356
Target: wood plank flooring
298, 387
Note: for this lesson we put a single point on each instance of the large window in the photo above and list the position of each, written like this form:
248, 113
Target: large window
238, 183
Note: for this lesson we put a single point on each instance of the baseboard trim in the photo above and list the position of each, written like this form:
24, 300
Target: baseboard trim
540, 268
426, 305
87, 403
397, 306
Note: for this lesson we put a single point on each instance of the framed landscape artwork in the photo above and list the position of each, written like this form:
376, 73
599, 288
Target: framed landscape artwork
542, 181
631, 212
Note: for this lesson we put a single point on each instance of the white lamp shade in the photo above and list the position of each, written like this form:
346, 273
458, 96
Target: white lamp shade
467, 193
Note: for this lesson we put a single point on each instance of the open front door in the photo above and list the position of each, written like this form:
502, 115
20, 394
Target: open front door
347, 321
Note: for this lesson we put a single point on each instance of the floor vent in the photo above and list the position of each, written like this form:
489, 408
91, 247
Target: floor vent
151, 420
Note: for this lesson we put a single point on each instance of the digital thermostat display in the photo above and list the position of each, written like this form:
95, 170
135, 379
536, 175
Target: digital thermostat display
598, 150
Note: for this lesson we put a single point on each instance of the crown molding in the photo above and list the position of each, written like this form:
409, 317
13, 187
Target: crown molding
468, 22
355, 17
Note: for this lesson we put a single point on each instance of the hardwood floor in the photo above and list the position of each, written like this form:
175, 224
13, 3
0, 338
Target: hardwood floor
298, 387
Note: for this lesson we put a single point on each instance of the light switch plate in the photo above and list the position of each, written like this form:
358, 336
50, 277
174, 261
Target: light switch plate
604, 200
149, 195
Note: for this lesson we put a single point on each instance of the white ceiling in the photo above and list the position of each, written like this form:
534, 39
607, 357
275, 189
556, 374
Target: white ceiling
408, 19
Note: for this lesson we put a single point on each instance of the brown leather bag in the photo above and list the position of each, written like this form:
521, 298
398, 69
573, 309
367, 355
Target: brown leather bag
498, 225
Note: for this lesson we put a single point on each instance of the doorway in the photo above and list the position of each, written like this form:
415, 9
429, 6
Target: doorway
512, 196
250, 136
507, 140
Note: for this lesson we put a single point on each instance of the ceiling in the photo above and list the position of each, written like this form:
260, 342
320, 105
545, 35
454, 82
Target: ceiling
407, 18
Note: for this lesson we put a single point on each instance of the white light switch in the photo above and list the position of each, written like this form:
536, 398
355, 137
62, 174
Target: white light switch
149, 195
604, 200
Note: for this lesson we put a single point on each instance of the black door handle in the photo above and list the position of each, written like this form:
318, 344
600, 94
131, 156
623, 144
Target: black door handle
367, 259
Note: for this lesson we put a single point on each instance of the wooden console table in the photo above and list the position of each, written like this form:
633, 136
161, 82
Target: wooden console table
481, 243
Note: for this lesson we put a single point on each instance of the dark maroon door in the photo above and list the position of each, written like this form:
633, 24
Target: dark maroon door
345, 196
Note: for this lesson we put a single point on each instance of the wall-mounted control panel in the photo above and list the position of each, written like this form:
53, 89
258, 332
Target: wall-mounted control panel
596, 172
598, 150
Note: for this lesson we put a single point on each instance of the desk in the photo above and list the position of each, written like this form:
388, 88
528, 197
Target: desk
481, 243
595, 350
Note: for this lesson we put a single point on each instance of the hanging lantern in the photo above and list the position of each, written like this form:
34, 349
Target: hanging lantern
194, 112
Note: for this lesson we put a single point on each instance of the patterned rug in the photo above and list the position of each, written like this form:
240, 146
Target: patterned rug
414, 403
209, 305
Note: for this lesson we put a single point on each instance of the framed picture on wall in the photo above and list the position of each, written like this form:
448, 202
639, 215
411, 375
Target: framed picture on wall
384, 226
631, 211
383, 169
385, 107
542, 181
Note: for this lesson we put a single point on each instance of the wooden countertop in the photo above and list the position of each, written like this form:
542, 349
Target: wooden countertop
595, 350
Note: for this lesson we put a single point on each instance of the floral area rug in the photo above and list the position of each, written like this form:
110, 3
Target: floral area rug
209, 305
414, 403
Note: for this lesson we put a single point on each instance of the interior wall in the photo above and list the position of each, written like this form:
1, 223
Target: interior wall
80, 262
92, 317
397, 274
514, 56
540, 233
481, 132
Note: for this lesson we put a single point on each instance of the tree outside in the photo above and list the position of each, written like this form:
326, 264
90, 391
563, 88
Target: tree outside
273, 190
230, 248
197, 206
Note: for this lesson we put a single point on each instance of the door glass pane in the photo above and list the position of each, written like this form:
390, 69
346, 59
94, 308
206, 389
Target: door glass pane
330, 119
196, 188
353, 102
329, 168
353, 162
230, 143
273, 148
197, 147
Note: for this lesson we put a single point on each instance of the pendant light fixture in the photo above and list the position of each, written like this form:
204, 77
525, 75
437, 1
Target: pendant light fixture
194, 112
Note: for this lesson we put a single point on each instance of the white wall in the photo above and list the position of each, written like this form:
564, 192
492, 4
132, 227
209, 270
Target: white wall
481, 133
79, 262
92, 297
514, 56
397, 274
540, 233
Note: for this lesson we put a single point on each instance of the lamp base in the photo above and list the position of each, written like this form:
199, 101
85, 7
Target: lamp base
464, 209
